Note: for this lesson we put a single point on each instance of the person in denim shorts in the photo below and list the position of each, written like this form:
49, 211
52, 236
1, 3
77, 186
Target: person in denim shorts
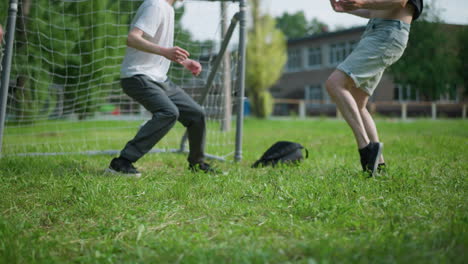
356, 78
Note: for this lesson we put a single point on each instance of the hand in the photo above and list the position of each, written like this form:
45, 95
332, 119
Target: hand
176, 54
193, 66
348, 5
336, 6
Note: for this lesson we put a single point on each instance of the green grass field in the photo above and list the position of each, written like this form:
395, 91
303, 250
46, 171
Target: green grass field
65, 210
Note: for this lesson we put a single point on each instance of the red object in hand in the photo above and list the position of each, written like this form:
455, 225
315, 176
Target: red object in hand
193, 66
1, 33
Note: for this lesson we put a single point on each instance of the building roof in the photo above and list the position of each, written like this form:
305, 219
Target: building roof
326, 35
352, 30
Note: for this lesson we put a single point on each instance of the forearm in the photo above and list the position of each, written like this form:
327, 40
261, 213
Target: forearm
383, 4
137, 41
187, 62
140, 43
365, 13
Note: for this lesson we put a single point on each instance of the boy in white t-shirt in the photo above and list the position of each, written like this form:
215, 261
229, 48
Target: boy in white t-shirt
144, 78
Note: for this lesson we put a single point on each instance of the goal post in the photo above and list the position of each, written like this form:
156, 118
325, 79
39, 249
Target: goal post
6, 65
63, 94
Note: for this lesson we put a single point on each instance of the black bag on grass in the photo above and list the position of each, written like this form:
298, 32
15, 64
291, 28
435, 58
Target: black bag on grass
282, 152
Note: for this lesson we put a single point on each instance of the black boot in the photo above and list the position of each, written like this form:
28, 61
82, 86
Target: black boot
123, 167
370, 157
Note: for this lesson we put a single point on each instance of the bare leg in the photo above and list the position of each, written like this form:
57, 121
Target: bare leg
339, 86
361, 99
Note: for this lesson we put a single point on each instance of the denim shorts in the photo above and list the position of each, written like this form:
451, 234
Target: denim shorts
381, 45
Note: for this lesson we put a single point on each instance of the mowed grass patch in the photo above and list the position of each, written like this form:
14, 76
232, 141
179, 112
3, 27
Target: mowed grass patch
64, 209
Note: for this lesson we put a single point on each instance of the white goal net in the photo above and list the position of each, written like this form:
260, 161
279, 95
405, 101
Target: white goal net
65, 94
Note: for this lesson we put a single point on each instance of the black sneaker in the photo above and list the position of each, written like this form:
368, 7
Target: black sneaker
204, 167
370, 157
123, 167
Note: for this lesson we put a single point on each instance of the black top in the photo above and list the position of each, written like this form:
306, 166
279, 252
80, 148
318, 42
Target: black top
418, 8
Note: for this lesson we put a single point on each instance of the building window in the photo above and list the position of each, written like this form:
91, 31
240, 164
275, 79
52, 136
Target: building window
315, 57
352, 45
450, 95
404, 92
294, 60
314, 92
332, 55
339, 51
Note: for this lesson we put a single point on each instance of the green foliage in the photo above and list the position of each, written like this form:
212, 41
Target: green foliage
4, 12
266, 57
32, 63
95, 46
263, 104
296, 25
463, 56
77, 45
431, 62
56, 47
65, 210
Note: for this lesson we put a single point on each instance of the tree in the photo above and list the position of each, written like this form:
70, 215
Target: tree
296, 25
266, 57
463, 56
73, 53
74, 46
430, 63
316, 26
31, 93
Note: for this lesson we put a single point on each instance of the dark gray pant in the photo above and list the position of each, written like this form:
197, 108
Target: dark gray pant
168, 103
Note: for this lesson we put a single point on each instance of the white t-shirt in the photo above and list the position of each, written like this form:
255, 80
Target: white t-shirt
156, 19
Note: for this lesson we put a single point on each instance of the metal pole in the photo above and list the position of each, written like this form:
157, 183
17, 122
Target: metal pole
302, 109
464, 111
227, 79
241, 79
6, 65
219, 58
338, 113
214, 70
183, 145
404, 111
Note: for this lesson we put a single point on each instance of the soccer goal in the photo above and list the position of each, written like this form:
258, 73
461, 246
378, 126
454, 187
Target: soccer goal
61, 92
